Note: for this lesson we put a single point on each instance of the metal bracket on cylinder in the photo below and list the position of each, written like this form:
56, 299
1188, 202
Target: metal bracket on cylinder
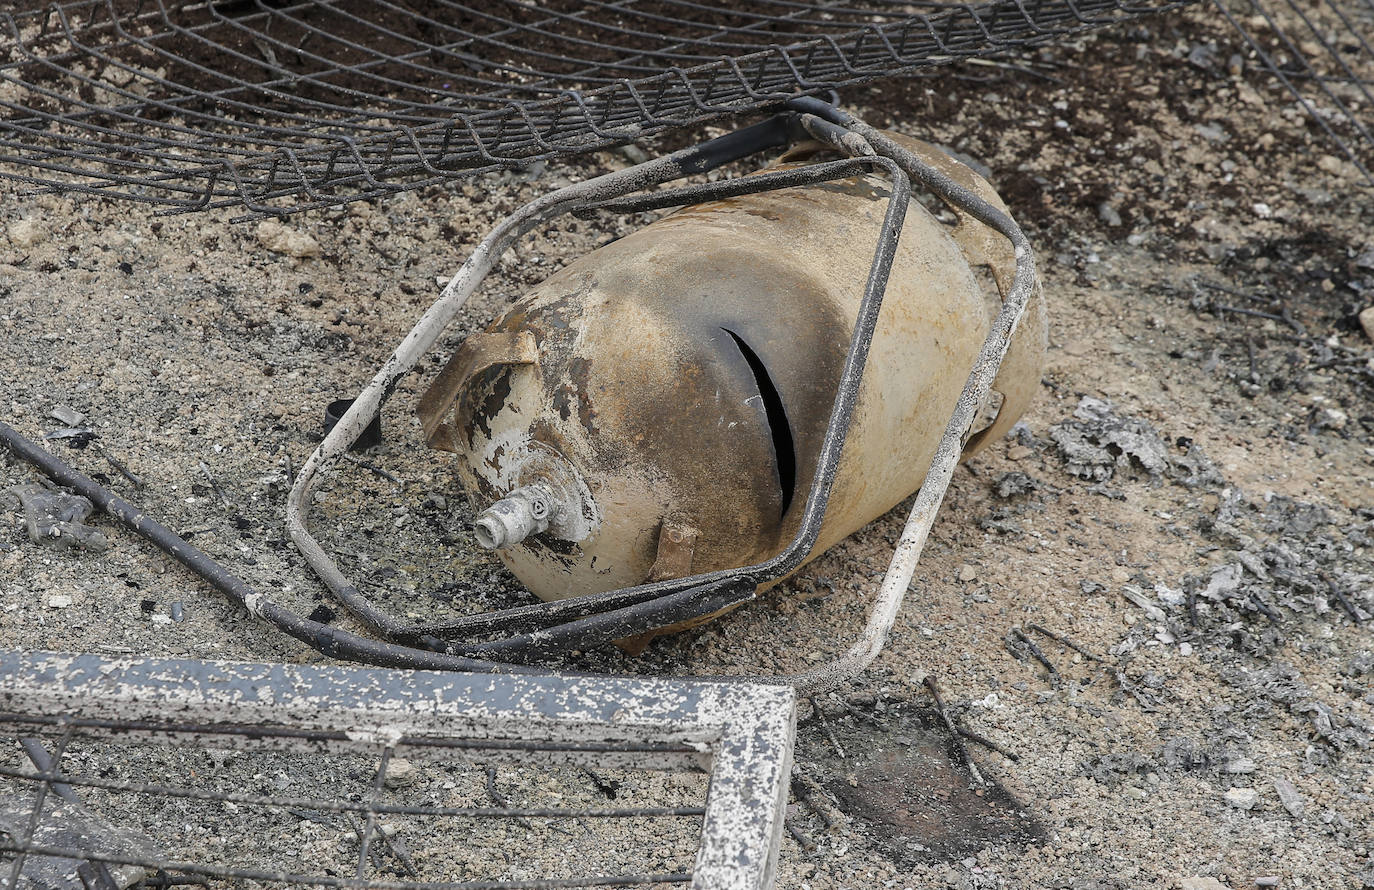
478, 353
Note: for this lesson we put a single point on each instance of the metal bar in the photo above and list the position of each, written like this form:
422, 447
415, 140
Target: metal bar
742, 732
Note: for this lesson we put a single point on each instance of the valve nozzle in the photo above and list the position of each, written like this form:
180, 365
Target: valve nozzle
523, 512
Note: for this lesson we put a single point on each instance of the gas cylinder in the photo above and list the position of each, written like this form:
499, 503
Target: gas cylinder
656, 408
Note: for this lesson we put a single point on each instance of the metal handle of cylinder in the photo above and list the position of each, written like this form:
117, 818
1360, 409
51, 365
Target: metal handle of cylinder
478, 353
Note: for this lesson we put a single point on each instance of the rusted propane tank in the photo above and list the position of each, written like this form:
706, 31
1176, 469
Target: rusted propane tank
656, 408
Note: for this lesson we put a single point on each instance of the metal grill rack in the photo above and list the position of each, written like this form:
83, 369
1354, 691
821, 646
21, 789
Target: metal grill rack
221, 774
278, 106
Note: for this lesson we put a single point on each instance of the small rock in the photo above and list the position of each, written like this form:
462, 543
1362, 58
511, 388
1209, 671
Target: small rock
59, 601
1242, 798
1108, 214
1367, 322
1331, 419
1290, 797
1240, 766
1201, 883
178, 611
967, 572
1331, 164
1211, 132
27, 233
400, 773
1020, 452
67, 415
281, 239
1267, 881
634, 154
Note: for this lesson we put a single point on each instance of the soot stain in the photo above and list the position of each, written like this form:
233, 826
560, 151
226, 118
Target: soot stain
907, 783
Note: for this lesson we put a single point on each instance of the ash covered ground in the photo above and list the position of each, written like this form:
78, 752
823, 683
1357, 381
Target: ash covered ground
1190, 502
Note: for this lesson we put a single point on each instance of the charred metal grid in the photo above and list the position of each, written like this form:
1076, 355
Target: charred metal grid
236, 775
1322, 52
274, 105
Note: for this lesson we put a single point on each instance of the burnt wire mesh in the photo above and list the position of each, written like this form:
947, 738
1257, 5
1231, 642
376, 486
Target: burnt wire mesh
115, 772
83, 811
277, 105
1322, 53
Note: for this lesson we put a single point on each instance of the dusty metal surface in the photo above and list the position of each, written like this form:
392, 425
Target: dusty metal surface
740, 733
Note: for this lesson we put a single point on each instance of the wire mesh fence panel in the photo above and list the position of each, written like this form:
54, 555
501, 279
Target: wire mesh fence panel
288, 105
166, 772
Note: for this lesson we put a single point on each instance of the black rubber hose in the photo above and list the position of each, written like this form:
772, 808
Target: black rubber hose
329, 640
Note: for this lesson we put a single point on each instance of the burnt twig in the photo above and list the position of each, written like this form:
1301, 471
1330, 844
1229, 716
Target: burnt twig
394, 844
500, 799
954, 733
118, 465
162, 879
797, 835
867, 718
810, 792
365, 838
1038, 655
1066, 641
1292, 322
1265, 608
608, 787
372, 467
1342, 599
988, 743
825, 727
1252, 312
366, 852
214, 483
1212, 285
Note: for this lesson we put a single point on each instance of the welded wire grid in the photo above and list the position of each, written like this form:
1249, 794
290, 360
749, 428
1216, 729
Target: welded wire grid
277, 104
116, 771
222, 817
